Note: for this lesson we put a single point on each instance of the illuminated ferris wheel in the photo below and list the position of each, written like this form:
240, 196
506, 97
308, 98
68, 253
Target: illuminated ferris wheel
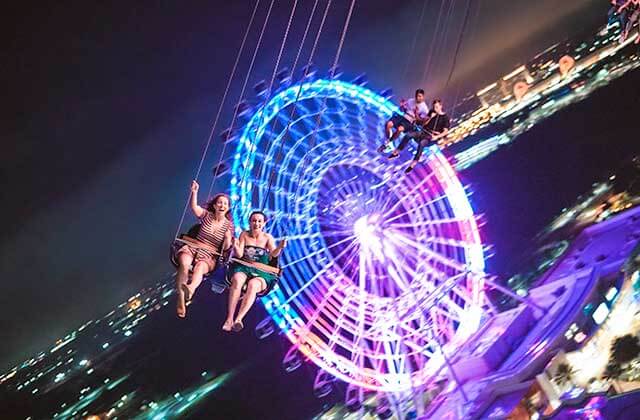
382, 274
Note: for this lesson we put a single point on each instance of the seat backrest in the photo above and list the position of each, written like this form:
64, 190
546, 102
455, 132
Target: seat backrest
274, 261
193, 231
175, 246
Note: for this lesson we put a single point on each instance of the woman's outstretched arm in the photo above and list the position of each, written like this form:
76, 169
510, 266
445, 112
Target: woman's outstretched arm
197, 210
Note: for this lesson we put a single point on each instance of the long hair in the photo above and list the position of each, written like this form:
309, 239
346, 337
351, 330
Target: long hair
211, 203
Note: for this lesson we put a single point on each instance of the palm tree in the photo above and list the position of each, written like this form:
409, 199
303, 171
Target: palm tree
624, 349
612, 372
564, 374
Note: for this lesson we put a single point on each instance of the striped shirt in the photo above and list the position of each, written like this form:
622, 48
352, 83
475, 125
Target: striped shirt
209, 233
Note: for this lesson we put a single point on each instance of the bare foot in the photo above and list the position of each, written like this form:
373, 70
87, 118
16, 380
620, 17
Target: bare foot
228, 324
394, 154
181, 309
623, 37
187, 294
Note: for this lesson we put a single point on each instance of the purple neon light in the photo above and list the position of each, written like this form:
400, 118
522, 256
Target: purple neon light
378, 273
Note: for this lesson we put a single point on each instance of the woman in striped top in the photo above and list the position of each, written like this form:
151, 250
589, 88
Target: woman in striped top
216, 231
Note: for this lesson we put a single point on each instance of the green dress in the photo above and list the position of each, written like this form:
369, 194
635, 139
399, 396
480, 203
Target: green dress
254, 253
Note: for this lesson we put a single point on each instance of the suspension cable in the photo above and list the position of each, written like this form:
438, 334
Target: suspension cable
293, 107
269, 89
217, 117
324, 102
415, 39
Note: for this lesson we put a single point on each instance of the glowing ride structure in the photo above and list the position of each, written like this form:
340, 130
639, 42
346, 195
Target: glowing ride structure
383, 274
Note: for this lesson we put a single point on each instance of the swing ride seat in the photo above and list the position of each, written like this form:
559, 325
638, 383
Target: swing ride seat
219, 277
276, 270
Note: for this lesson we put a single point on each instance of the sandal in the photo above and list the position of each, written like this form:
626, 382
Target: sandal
410, 168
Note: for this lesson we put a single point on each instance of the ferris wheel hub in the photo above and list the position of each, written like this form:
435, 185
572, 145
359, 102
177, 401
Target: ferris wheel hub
367, 229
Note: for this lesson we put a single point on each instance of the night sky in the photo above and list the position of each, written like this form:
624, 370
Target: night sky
107, 107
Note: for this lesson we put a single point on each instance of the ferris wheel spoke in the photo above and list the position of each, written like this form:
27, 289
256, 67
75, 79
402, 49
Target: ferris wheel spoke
301, 236
452, 312
451, 242
393, 358
415, 209
401, 281
348, 266
359, 329
338, 324
441, 324
423, 341
456, 265
328, 327
406, 195
399, 267
439, 292
304, 329
315, 235
296, 217
313, 254
443, 221
464, 294
302, 287
422, 271
410, 336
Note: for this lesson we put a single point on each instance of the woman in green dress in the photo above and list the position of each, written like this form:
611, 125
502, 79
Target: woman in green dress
253, 246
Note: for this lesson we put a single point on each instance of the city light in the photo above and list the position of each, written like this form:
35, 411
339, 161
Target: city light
600, 314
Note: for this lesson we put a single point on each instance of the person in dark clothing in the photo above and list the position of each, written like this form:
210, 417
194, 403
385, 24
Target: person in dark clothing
632, 8
415, 111
435, 128
620, 16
